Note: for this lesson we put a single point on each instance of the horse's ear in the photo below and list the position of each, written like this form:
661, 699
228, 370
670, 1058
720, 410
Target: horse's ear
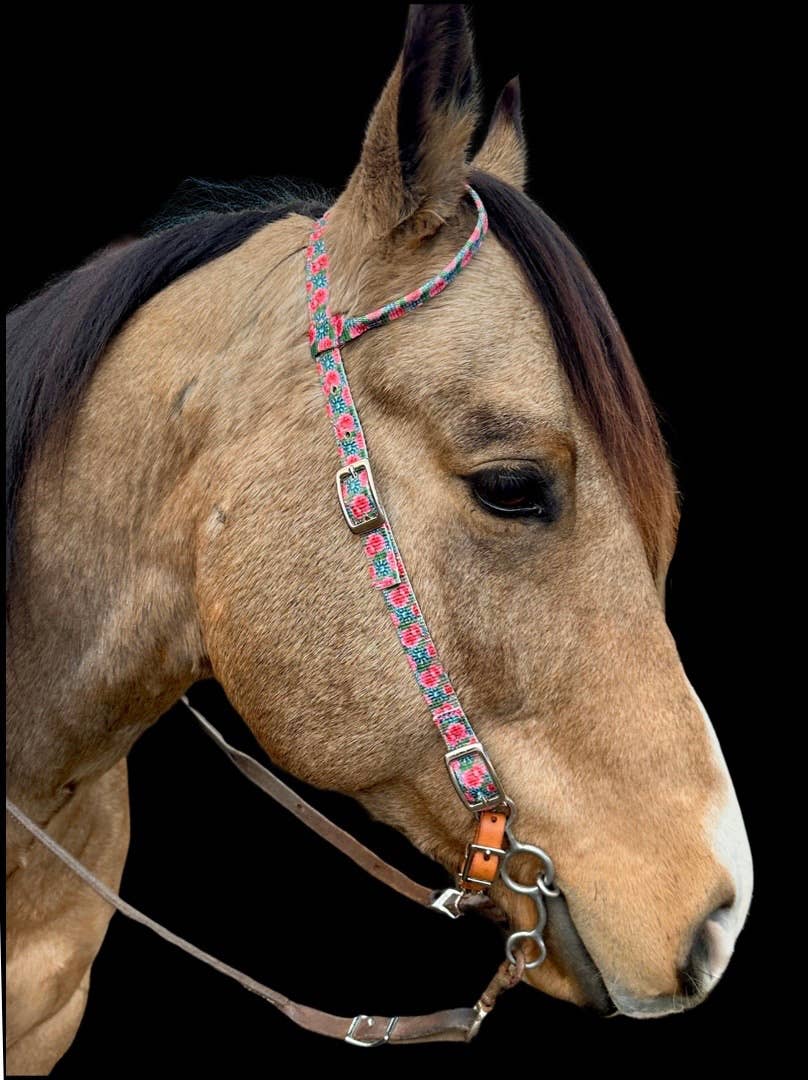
412, 172
503, 152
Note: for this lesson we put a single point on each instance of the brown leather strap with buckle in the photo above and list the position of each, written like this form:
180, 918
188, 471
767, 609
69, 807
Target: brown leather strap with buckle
472, 899
480, 869
483, 854
448, 1025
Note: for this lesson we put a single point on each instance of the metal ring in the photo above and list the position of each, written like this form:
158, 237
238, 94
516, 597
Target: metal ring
547, 889
526, 935
542, 954
543, 886
515, 886
544, 881
549, 870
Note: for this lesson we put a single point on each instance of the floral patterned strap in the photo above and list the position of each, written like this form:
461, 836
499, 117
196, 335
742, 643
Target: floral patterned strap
354, 327
468, 763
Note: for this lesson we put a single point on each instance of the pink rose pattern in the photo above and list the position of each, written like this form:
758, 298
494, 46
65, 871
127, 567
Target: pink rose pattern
326, 333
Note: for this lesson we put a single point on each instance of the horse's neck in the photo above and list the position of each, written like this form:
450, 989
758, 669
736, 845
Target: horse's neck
104, 635
105, 631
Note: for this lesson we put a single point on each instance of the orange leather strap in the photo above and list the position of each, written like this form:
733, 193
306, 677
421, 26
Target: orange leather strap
484, 853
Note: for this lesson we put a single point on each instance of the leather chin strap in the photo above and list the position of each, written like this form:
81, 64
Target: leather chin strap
448, 1025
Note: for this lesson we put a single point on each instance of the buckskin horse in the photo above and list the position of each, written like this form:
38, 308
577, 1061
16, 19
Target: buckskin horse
172, 516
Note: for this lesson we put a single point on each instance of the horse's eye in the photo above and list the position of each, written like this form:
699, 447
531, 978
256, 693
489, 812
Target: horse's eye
514, 491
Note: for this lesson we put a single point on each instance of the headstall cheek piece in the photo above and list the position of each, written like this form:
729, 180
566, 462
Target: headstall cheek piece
489, 853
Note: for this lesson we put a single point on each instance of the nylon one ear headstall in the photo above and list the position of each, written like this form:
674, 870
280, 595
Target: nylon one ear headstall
468, 764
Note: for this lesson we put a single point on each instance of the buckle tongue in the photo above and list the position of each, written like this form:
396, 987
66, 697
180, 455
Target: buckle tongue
487, 851
369, 1022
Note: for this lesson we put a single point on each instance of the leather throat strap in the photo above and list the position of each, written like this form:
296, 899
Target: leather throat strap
365, 858
449, 1025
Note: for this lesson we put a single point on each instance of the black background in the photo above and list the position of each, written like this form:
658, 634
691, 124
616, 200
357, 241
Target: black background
644, 142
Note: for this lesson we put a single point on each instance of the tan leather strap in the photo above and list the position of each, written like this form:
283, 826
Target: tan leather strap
343, 841
484, 853
451, 1025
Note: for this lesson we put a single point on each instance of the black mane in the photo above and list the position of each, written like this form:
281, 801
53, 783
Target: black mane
55, 340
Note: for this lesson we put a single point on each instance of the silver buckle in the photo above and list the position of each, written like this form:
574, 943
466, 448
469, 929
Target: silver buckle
376, 519
481, 804
470, 850
370, 1021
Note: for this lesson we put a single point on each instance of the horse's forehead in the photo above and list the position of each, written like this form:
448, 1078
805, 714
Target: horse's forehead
486, 343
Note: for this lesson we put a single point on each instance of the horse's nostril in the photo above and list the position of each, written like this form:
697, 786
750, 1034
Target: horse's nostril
709, 954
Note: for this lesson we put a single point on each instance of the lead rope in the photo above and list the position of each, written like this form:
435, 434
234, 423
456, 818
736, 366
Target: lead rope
450, 1025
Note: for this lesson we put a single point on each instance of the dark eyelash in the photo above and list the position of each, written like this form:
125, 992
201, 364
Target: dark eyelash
513, 492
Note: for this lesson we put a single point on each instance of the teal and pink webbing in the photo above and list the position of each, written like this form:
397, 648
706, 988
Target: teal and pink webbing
471, 771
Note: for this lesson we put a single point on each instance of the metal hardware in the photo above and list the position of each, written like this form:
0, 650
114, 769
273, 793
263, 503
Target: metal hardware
448, 902
470, 850
480, 1013
481, 804
511, 810
370, 1021
543, 887
376, 519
